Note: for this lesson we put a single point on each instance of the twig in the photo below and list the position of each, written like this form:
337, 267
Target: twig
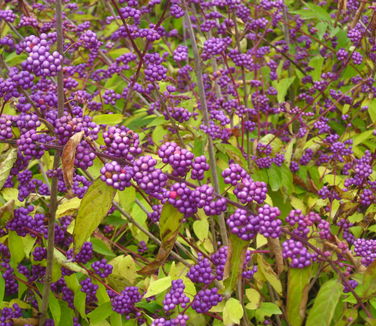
204, 109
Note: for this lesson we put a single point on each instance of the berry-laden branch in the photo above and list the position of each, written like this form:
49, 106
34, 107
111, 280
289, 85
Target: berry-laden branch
204, 109
54, 183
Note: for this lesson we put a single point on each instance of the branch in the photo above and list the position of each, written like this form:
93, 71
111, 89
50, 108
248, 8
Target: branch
204, 109
54, 182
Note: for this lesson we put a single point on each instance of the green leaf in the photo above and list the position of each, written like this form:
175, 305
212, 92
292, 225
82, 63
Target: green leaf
66, 318
60, 259
369, 280
313, 11
169, 224
254, 299
16, 251
54, 306
359, 139
123, 272
316, 63
158, 286
273, 141
201, 229
101, 312
232, 312
267, 309
127, 198
287, 179
15, 58
108, 119
269, 274
372, 110
94, 207
158, 134
289, 149
297, 294
2, 288
116, 319
235, 261
325, 304
101, 248
282, 87
68, 207
6, 163
275, 178
80, 302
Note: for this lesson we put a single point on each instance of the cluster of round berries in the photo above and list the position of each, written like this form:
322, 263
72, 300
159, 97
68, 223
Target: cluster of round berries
175, 296
117, 176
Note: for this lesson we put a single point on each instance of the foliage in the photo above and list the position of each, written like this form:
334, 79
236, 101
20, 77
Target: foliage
212, 163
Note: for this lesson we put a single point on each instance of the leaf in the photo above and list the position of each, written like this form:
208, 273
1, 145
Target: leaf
100, 247
127, 198
201, 229
54, 306
6, 164
6, 212
108, 119
123, 272
16, 251
359, 139
169, 224
235, 260
101, 312
158, 286
232, 312
67, 158
275, 178
268, 309
68, 207
297, 294
254, 299
282, 86
317, 63
325, 304
80, 302
2, 288
273, 141
289, 149
94, 207
269, 274
60, 259
313, 11
369, 280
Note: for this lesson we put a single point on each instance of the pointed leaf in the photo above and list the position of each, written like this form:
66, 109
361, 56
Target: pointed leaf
232, 312
123, 272
6, 163
297, 294
254, 299
169, 224
325, 304
369, 280
158, 286
94, 207
235, 261
269, 274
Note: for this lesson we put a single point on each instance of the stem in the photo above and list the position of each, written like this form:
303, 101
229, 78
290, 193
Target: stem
204, 109
54, 182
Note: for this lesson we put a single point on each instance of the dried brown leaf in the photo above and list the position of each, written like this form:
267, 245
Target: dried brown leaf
67, 158
276, 249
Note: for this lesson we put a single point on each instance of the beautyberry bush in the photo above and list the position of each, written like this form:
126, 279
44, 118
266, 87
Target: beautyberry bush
184, 162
